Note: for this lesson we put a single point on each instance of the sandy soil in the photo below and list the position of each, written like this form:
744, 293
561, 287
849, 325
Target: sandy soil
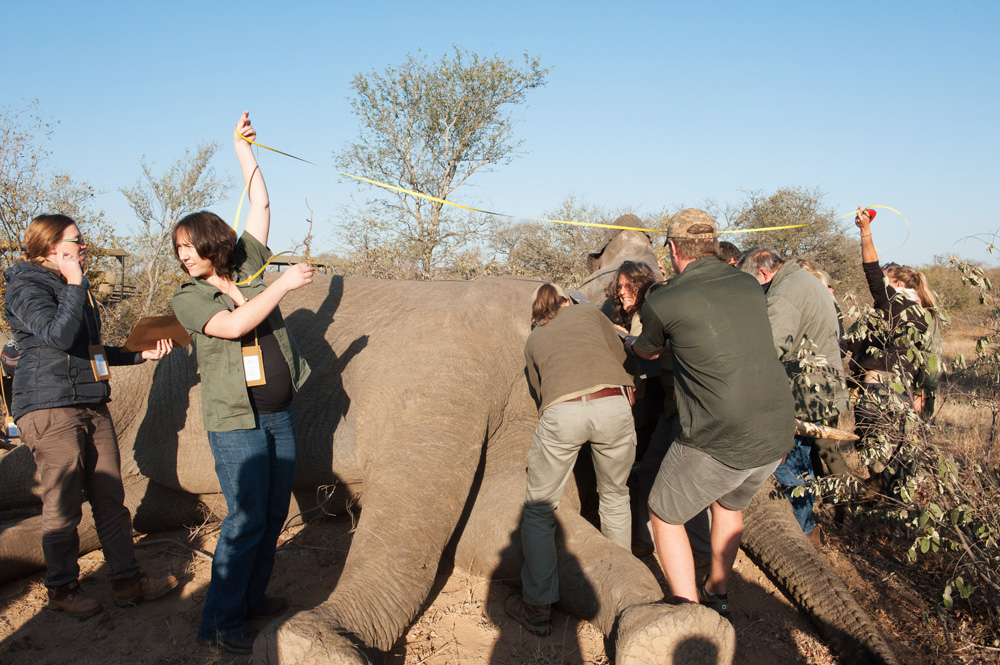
464, 622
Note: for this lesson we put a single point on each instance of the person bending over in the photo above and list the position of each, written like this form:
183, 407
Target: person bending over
577, 402
807, 341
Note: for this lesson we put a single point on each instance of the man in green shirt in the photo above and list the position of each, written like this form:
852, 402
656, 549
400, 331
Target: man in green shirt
733, 400
807, 341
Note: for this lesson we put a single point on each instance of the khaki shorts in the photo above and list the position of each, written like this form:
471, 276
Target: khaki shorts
689, 480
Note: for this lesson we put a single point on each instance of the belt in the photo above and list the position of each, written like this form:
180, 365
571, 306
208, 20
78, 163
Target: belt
606, 392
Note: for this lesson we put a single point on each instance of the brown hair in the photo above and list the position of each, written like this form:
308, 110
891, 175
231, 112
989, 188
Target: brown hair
810, 268
728, 252
695, 248
546, 305
639, 276
916, 280
42, 234
212, 238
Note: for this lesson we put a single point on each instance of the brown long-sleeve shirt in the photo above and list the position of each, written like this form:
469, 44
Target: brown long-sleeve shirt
576, 353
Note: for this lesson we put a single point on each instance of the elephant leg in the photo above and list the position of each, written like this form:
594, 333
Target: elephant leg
598, 580
153, 506
604, 583
774, 540
19, 482
409, 512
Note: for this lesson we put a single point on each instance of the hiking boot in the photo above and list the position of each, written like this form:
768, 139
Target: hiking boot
641, 549
817, 537
534, 618
719, 603
272, 608
240, 646
71, 599
141, 586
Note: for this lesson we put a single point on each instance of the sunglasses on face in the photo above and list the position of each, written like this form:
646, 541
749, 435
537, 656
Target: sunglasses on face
78, 240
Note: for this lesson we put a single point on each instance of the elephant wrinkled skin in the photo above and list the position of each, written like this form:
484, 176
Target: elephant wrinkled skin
418, 404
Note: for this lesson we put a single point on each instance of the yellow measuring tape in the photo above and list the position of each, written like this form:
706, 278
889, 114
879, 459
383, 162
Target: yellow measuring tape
497, 214
257, 274
852, 214
639, 228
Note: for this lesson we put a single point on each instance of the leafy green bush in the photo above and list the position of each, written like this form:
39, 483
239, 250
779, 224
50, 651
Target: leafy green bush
940, 493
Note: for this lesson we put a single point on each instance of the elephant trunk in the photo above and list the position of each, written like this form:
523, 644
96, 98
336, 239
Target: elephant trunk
598, 580
774, 540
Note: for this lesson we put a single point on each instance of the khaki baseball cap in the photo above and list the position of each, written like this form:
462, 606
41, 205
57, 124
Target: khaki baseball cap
682, 221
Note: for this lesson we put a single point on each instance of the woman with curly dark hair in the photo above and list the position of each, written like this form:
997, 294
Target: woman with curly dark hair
250, 370
627, 292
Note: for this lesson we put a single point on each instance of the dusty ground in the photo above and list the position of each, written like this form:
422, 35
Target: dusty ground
464, 623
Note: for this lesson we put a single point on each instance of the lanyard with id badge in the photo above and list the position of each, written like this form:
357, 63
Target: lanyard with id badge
10, 430
253, 363
98, 356
253, 360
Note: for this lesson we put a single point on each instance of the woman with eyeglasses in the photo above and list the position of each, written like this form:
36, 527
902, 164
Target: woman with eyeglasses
60, 395
908, 308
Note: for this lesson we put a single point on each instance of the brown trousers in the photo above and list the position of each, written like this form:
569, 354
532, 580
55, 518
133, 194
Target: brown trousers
76, 452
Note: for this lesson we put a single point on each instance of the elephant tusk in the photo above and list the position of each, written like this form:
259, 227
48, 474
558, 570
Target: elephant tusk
803, 428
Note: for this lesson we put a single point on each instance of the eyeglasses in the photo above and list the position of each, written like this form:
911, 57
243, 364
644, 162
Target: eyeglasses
78, 240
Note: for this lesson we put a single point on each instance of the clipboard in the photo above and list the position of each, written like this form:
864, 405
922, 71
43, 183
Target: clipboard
149, 329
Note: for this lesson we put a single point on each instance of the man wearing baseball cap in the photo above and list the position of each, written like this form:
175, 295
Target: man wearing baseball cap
733, 399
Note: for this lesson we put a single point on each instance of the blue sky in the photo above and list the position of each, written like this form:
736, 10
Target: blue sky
648, 104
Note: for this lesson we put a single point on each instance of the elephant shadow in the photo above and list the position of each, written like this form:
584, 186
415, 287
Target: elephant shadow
513, 641
324, 389
157, 437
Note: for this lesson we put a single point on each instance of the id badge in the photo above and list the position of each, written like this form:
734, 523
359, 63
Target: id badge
99, 362
253, 366
10, 428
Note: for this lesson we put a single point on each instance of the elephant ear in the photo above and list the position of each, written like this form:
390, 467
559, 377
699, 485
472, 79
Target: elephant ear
594, 259
631, 221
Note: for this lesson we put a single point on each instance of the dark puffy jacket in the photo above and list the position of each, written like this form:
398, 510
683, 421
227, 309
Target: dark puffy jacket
882, 351
53, 324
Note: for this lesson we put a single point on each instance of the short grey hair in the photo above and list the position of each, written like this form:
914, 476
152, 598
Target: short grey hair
761, 258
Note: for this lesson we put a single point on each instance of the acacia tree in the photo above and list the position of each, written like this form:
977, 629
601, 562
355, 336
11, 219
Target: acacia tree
824, 240
556, 252
29, 188
428, 127
159, 201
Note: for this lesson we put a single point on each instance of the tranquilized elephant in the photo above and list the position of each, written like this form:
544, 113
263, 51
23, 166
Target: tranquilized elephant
418, 403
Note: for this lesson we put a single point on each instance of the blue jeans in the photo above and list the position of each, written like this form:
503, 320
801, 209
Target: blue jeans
794, 472
255, 468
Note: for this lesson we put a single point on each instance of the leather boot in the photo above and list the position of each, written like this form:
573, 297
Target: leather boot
141, 586
534, 618
71, 599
